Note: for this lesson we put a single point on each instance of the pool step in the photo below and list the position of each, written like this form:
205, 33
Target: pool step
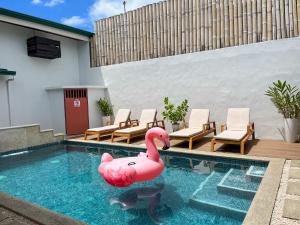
255, 173
237, 183
220, 209
219, 192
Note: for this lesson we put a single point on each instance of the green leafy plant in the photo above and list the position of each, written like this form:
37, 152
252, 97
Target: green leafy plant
286, 98
174, 113
105, 107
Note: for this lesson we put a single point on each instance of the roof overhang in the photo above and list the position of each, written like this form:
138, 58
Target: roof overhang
43, 25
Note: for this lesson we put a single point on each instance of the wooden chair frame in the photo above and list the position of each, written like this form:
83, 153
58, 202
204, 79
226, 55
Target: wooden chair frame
129, 136
250, 132
122, 125
207, 129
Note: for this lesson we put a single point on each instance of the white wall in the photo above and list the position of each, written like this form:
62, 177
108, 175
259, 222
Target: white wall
219, 79
88, 75
94, 94
29, 98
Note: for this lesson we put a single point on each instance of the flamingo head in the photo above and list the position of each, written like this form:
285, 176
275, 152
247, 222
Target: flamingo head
160, 134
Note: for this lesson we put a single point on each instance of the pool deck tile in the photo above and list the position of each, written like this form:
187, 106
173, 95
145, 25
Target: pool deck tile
14, 222
293, 188
294, 173
3, 216
295, 163
291, 209
34, 213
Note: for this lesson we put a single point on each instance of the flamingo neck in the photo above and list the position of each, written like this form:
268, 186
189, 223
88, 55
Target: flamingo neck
151, 149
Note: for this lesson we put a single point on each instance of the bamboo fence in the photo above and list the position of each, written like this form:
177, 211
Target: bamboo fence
175, 27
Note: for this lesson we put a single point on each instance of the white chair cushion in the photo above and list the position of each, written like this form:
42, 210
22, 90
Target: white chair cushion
187, 132
198, 117
147, 116
105, 128
131, 130
232, 135
238, 118
122, 115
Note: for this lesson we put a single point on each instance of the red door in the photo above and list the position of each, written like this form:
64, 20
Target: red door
76, 110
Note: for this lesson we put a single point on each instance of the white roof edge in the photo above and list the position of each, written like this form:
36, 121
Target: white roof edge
44, 28
75, 87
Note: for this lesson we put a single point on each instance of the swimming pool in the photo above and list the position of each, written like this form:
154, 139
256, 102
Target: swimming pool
191, 190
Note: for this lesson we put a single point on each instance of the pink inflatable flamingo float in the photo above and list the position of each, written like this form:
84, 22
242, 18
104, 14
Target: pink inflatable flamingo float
123, 172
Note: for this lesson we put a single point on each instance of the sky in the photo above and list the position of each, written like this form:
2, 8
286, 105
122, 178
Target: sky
76, 13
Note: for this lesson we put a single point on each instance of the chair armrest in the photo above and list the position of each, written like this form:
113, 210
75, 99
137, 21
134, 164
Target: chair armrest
162, 123
150, 125
121, 124
223, 127
134, 123
205, 126
209, 125
251, 130
212, 124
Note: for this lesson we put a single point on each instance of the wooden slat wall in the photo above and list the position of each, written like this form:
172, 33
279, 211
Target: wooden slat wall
175, 27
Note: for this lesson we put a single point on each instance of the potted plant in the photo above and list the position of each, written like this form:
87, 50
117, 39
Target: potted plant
107, 110
286, 98
175, 114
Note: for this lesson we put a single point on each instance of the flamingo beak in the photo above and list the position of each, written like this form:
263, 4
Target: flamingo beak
167, 144
165, 147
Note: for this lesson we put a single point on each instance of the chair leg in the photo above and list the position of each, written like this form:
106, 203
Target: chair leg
190, 144
253, 134
85, 136
128, 140
98, 137
212, 145
215, 129
112, 137
242, 148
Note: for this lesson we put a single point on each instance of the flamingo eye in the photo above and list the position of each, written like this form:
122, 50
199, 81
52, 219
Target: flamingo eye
161, 136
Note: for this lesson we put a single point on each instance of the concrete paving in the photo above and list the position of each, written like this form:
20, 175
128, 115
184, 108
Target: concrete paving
291, 209
295, 163
294, 173
3, 216
293, 188
8, 217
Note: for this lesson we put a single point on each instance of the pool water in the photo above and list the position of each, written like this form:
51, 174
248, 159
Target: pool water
191, 190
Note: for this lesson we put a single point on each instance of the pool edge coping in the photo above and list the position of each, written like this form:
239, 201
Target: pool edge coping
34, 212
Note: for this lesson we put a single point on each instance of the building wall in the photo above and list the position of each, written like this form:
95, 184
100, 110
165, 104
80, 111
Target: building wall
29, 99
88, 75
218, 79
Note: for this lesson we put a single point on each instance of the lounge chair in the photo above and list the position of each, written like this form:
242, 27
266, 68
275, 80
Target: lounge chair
138, 128
237, 129
121, 121
198, 127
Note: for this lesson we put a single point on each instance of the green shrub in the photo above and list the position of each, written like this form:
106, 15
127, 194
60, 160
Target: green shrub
286, 98
105, 107
175, 114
